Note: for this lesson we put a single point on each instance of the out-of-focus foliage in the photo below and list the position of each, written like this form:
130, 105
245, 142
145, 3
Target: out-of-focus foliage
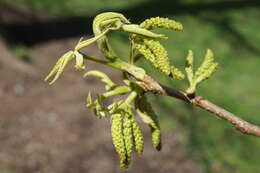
73, 7
233, 35
20, 51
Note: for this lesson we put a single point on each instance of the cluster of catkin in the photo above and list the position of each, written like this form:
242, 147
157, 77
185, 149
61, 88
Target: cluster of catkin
153, 50
126, 132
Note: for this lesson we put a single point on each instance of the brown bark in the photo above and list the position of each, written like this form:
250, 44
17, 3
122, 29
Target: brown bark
240, 124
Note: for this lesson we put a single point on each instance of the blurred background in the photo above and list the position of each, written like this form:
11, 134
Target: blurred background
47, 129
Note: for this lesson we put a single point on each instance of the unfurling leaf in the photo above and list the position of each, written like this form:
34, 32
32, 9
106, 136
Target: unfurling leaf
102, 76
207, 68
79, 61
189, 66
60, 66
136, 29
145, 111
98, 29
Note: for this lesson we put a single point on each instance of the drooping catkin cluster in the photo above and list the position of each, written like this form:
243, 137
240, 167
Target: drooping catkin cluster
124, 132
161, 61
153, 50
118, 138
156, 54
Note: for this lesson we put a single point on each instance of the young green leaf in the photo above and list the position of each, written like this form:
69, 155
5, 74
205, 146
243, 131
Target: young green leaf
136, 29
79, 61
207, 68
60, 66
102, 76
145, 111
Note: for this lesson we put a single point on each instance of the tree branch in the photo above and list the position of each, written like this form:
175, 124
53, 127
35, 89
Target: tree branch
153, 86
240, 124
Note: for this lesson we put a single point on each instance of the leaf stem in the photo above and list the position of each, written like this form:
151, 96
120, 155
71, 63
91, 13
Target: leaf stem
132, 50
137, 72
129, 99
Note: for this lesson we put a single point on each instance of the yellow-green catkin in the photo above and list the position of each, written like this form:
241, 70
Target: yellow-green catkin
118, 139
156, 54
162, 62
138, 137
128, 136
160, 22
156, 137
144, 50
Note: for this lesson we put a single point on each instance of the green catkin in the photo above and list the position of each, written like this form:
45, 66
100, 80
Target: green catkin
144, 50
118, 139
138, 136
156, 137
160, 22
156, 54
162, 62
128, 136
149, 116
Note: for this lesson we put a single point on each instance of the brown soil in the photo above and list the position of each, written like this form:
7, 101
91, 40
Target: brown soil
48, 129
